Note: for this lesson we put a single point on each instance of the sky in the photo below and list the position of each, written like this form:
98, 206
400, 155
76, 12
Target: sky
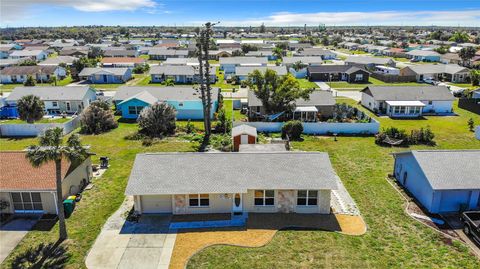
20, 13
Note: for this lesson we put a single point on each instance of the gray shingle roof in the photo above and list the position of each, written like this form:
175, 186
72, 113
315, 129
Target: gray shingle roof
88, 71
50, 92
245, 70
110, 53
409, 93
172, 70
243, 60
304, 59
185, 173
450, 169
162, 93
317, 98
58, 60
368, 60
28, 70
437, 68
423, 53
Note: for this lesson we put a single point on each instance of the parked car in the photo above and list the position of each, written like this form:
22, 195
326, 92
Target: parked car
430, 81
471, 224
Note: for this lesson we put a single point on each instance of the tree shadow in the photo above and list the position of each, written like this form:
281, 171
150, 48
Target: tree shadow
52, 255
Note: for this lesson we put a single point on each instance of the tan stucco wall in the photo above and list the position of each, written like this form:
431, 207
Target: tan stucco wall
83, 171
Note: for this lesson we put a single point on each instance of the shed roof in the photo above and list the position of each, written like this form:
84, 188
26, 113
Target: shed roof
244, 129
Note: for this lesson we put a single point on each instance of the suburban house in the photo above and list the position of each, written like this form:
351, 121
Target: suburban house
228, 64
101, 75
298, 46
276, 182
440, 180
447, 72
9, 62
216, 54
6, 49
423, 56
76, 52
120, 53
178, 73
289, 62
387, 70
351, 74
129, 62
181, 61
316, 52
30, 190
41, 73
261, 53
55, 61
36, 55
451, 58
186, 101
57, 99
408, 101
369, 62
319, 106
241, 72
242, 135
163, 53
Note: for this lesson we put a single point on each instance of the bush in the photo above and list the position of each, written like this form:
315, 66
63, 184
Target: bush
221, 142
157, 120
223, 125
30, 82
140, 69
398, 137
189, 127
292, 129
97, 118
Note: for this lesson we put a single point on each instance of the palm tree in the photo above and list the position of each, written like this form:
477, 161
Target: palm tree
278, 52
52, 148
30, 108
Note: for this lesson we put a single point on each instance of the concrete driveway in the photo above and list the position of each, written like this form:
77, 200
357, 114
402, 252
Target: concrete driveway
12, 233
122, 244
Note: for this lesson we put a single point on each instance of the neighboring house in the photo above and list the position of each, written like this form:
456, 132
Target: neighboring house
36, 55
261, 53
41, 73
279, 182
55, 61
350, 45
241, 72
448, 72
229, 64
369, 62
423, 56
307, 61
408, 101
394, 52
74, 52
320, 105
316, 52
298, 46
122, 61
178, 73
243, 134
9, 62
163, 53
120, 53
216, 54
451, 58
181, 61
57, 99
440, 180
101, 75
186, 101
387, 70
30, 190
351, 74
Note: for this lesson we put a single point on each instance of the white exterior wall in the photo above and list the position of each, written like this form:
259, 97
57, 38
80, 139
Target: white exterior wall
369, 102
438, 106
477, 132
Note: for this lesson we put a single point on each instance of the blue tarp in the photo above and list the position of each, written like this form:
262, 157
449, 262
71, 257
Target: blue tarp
8, 112
275, 116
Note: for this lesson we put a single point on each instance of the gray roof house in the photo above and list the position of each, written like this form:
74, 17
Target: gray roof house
164, 53
183, 183
228, 64
68, 60
325, 54
178, 73
441, 180
369, 61
101, 75
449, 72
408, 101
242, 71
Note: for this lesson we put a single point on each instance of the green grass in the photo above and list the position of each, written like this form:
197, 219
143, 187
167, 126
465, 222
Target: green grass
10, 87
463, 85
221, 83
44, 120
393, 239
106, 196
306, 84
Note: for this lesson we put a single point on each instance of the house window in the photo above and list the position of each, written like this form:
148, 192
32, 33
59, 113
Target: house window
264, 197
27, 201
55, 104
358, 77
68, 106
430, 102
198, 200
307, 197
180, 104
134, 110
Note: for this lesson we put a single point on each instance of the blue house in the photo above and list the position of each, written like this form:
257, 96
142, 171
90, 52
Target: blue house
99, 75
423, 56
186, 101
441, 180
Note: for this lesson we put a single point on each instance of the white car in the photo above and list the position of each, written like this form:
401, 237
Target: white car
430, 81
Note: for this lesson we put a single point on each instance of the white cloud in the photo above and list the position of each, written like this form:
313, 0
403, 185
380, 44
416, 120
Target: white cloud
450, 18
16, 10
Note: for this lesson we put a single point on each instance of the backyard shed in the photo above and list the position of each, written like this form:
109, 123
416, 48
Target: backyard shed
243, 134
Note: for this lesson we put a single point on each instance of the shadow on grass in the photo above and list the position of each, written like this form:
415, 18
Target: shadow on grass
51, 255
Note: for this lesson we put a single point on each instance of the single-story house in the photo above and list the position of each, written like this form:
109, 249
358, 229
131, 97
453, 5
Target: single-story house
31, 190
448, 72
423, 56
216, 54
278, 182
387, 70
163, 53
186, 101
241, 72
129, 62
316, 52
307, 61
55, 61
181, 61
74, 52
9, 62
57, 99
351, 74
349, 45
41, 73
36, 55
100, 75
408, 101
369, 62
394, 52
441, 180
120, 53
320, 105
298, 46
262, 53
451, 58
228, 64
243, 134
179, 73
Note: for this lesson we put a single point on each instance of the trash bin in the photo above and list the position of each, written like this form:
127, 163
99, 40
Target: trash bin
72, 197
68, 207
103, 162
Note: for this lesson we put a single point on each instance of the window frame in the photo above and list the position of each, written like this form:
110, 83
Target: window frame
264, 198
308, 196
198, 197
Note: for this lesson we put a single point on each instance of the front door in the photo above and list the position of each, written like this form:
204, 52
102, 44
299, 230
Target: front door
244, 139
237, 203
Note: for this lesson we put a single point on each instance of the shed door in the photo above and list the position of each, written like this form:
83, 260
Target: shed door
244, 139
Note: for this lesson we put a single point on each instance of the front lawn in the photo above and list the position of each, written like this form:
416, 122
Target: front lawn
393, 239
106, 196
306, 84
10, 87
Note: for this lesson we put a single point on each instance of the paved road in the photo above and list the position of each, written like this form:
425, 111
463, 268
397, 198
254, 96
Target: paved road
12, 233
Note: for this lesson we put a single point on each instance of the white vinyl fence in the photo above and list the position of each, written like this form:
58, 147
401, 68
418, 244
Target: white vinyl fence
320, 128
25, 129
477, 132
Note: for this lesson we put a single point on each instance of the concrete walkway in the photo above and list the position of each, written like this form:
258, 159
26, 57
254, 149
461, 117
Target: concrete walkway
12, 233
123, 244
323, 86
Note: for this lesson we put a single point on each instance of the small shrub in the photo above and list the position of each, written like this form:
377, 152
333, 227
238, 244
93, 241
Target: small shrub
292, 129
223, 125
471, 125
422, 136
97, 118
157, 120
189, 127
30, 82
221, 142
